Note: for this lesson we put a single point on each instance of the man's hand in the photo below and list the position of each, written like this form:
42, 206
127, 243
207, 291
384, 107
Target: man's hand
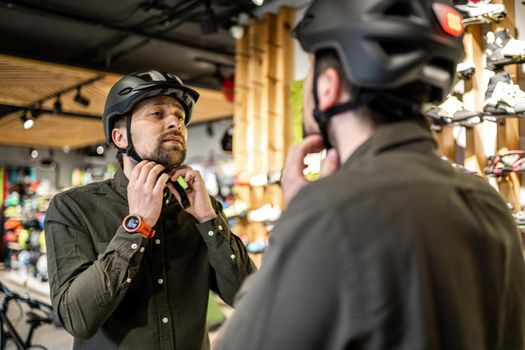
145, 191
292, 179
200, 203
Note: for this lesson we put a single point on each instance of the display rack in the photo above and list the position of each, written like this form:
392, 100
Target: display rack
479, 138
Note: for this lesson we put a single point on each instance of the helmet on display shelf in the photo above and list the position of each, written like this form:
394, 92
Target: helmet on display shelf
41, 267
136, 87
12, 224
403, 50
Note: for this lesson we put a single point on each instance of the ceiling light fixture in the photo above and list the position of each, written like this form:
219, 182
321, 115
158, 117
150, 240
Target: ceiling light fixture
27, 122
258, 2
36, 111
33, 153
81, 100
208, 22
57, 106
237, 31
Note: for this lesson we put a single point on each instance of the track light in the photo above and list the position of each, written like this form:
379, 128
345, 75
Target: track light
33, 153
27, 122
36, 111
57, 106
208, 22
237, 31
81, 100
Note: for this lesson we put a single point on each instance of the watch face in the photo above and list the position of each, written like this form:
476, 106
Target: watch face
132, 223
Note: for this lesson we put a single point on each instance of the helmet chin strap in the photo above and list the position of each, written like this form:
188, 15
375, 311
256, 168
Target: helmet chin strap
130, 150
323, 117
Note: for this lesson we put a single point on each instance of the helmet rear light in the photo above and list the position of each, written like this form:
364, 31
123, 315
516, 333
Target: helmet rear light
449, 19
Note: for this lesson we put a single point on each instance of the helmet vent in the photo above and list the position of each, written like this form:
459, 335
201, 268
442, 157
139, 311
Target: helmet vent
445, 65
125, 91
399, 9
394, 48
147, 76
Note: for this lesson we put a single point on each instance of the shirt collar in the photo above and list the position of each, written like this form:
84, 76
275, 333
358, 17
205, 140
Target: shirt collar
403, 134
121, 182
121, 185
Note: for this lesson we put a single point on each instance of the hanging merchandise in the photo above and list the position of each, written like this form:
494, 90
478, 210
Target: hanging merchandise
519, 217
296, 101
503, 50
13, 223
480, 12
23, 238
509, 162
2, 187
26, 200
41, 268
227, 85
503, 97
452, 111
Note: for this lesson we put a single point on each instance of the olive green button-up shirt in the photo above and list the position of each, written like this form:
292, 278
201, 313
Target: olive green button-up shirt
396, 250
115, 290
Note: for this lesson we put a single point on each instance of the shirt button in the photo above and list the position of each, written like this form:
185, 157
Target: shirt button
232, 256
220, 227
157, 241
141, 249
167, 201
128, 280
160, 281
165, 320
210, 233
134, 246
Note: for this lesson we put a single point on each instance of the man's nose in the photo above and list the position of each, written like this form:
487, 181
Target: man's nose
174, 122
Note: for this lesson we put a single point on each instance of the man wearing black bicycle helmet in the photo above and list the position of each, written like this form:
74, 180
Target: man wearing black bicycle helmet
136, 87
394, 248
132, 259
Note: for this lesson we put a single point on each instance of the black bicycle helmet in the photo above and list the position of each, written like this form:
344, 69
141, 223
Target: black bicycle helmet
135, 87
406, 50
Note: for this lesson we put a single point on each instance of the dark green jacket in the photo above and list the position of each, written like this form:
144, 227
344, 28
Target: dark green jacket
115, 290
396, 250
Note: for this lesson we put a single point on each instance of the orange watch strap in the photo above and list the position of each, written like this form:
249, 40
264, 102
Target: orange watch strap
143, 228
146, 230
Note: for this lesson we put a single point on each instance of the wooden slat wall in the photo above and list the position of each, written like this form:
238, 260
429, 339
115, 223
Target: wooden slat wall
475, 157
262, 131
285, 68
240, 116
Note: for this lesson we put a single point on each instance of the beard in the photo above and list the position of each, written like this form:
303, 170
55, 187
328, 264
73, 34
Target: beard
169, 155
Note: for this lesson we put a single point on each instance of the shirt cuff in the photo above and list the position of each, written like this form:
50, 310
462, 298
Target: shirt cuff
214, 228
128, 245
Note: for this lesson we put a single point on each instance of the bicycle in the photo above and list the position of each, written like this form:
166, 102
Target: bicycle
34, 319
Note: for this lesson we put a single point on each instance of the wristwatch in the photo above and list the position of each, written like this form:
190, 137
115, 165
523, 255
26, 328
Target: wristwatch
134, 223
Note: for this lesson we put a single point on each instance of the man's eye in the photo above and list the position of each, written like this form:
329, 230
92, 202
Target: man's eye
155, 114
181, 118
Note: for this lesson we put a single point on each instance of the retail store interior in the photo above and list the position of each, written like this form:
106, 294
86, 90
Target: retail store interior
59, 59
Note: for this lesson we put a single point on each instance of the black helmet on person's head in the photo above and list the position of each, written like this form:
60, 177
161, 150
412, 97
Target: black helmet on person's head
388, 45
135, 87
396, 54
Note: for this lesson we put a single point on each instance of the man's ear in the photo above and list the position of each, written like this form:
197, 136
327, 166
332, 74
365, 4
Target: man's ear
120, 138
328, 89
